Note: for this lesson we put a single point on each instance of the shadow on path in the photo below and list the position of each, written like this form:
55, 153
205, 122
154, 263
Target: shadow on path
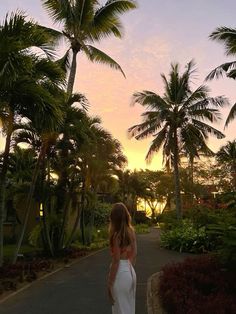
81, 289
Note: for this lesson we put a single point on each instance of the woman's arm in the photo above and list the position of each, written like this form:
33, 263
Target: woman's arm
134, 249
115, 262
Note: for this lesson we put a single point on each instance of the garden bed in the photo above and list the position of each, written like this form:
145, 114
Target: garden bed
197, 286
30, 268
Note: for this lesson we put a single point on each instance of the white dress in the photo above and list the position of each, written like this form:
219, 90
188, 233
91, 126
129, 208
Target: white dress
124, 289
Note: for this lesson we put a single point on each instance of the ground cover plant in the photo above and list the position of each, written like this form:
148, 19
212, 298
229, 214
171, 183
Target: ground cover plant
198, 285
33, 265
185, 237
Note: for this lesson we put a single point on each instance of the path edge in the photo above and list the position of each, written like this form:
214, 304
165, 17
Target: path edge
48, 275
153, 304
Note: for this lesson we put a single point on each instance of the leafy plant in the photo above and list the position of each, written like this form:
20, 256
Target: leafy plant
197, 285
225, 233
141, 228
185, 237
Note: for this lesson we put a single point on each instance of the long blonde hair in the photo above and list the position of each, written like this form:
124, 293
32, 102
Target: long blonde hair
120, 225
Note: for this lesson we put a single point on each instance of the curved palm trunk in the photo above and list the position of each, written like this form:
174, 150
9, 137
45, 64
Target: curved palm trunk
71, 79
176, 177
3, 187
28, 204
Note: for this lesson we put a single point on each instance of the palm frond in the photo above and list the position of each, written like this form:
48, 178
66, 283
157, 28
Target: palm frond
113, 7
210, 103
156, 144
149, 99
231, 115
96, 55
64, 62
227, 153
106, 17
209, 129
59, 10
221, 70
226, 35
199, 94
212, 115
79, 98
107, 28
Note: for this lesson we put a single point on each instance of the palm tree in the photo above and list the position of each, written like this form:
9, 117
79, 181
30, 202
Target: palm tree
47, 142
227, 155
227, 36
177, 118
85, 22
194, 151
22, 82
97, 158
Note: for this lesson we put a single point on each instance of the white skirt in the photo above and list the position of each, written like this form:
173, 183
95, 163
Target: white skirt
124, 289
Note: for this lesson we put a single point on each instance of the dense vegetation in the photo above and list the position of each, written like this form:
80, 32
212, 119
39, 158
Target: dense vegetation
60, 170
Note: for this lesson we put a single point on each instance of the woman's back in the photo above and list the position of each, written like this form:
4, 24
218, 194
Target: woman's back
128, 252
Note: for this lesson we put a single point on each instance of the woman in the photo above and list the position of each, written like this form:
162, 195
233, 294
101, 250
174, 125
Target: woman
122, 277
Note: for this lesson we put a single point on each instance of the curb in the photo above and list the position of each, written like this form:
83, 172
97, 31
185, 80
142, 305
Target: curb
153, 305
49, 274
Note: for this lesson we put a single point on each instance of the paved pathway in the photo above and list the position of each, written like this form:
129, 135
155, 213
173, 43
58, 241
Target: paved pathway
81, 289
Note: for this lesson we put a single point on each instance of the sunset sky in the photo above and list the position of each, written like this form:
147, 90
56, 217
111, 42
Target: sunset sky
157, 33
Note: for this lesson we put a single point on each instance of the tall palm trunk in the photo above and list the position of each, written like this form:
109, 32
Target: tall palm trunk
3, 181
191, 168
176, 177
168, 203
233, 174
2, 192
46, 235
75, 226
71, 79
66, 212
28, 204
82, 226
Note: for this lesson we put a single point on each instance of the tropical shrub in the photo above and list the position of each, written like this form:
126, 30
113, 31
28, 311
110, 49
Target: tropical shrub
142, 228
224, 233
197, 285
93, 236
201, 215
99, 216
35, 236
167, 219
141, 218
185, 237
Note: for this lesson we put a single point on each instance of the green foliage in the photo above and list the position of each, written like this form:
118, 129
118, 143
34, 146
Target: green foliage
141, 218
93, 236
185, 237
203, 229
223, 230
142, 228
167, 219
202, 216
101, 214
35, 236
